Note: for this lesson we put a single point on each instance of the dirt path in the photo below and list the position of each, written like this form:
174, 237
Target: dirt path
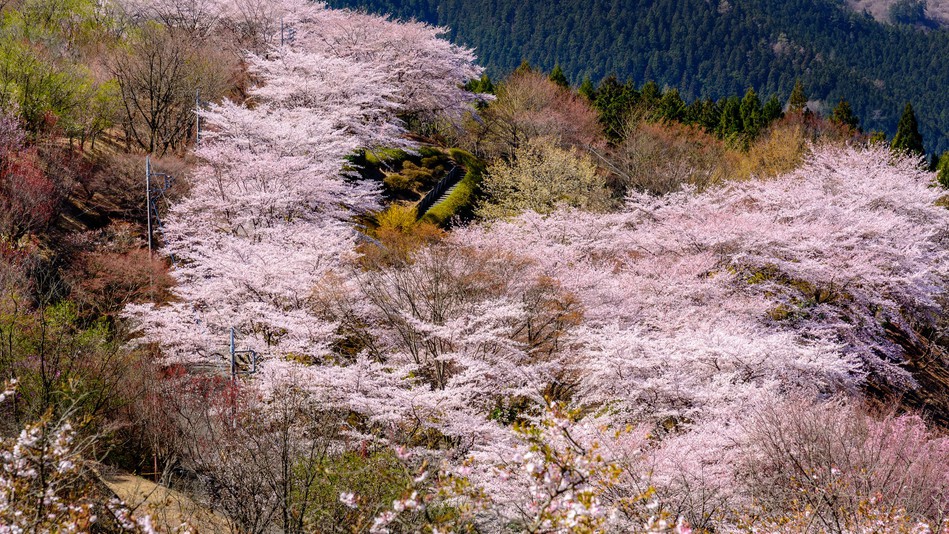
168, 508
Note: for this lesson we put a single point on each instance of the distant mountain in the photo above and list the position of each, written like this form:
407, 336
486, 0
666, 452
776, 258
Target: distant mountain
715, 48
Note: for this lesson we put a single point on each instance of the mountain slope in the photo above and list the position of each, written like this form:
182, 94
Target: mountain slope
923, 12
712, 48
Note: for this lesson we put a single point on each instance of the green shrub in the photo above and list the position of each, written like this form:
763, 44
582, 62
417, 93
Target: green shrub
543, 177
42, 72
412, 179
379, 156
61, 363
942, 170
461, 201
377, 478
40, 90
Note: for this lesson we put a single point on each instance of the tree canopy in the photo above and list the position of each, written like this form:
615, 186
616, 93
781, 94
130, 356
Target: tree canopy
908, 138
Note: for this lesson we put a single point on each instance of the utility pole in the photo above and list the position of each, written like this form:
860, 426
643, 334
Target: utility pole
153, 193
197, 117
288, 34
233, 358
148, 200
235, 365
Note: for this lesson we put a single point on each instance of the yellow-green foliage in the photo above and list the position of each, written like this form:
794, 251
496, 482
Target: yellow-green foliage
397, 235
60, 362
462, 198
375, 478
68, 25
541, 177
415, 178
942, 170
397, 217
42, 72
778, 152
380, 156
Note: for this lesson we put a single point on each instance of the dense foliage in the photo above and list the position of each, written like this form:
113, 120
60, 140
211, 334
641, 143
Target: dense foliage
678, 315
712, 49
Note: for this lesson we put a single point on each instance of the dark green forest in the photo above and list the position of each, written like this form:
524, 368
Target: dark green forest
712, 49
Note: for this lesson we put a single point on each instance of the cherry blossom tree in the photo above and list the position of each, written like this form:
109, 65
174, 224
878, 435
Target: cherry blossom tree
266, 219
698, 308
449, 345
848, 470
47, 484
677, 315
423, 68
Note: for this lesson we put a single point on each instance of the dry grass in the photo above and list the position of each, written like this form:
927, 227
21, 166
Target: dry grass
779, 151
168, 508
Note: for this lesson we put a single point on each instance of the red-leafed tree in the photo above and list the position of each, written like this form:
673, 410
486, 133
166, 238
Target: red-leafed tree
28, 198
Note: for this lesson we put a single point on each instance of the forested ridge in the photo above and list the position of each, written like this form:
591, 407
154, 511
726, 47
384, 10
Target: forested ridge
711, 49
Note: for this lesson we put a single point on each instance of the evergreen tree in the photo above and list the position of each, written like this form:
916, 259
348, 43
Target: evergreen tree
751, 113
692, 114
908, 138
844, 116
586, 89
525, 66
942, 170
613, 102
671, 106
710, 54
797, 103
481, 85
772, 110
650, 94
558, 77
908, 12
711, 115
729, 124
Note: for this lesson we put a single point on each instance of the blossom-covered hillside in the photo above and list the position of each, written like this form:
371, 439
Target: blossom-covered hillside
615, 320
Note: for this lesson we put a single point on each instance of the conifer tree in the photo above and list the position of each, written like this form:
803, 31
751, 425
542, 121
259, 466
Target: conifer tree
877, 137
525, 66
586, 89
558, 77
772, 110
843, 115
613, 102
671, 106
650, 94
711, 114
942, 170
908, 138
482, 85
730, 123
797, 103
751, 113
